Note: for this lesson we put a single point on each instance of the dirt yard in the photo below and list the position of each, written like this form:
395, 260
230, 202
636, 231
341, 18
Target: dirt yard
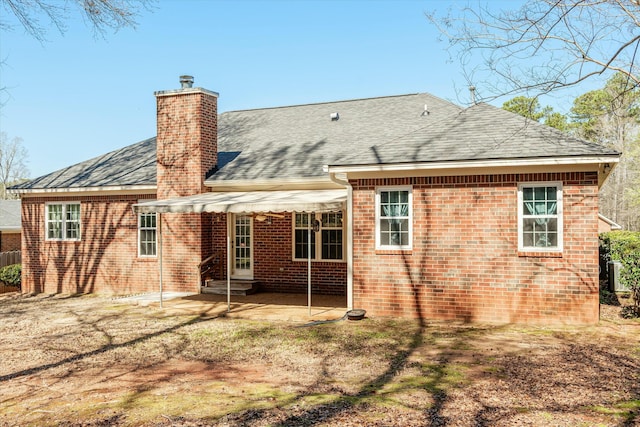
91, 361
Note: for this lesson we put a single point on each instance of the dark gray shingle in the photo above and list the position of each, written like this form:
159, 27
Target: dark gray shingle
480, 132
285, 142
131, 165
296, 142
10, 215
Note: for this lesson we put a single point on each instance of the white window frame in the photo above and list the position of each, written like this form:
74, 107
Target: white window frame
379, 217
558, 216
64, 222
318, 242
140, 229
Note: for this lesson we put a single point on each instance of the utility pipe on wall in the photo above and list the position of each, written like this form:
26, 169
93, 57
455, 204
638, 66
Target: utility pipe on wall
349, 188
309, 261
228, 264
159, 224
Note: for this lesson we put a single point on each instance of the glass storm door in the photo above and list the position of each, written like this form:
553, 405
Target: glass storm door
243, 247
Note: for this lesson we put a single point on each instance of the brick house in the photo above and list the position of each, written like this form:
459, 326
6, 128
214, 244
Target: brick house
407, 205
10, 225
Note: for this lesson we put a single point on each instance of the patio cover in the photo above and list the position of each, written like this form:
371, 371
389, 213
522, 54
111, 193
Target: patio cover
250, 201
247, 202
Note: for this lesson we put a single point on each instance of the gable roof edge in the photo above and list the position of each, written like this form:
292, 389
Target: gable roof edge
122, 189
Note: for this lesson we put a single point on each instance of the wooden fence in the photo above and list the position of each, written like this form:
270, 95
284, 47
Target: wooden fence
9, 258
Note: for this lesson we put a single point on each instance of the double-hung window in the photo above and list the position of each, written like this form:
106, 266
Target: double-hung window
540, 217
147, 236
63, 221
327, 241
394, 218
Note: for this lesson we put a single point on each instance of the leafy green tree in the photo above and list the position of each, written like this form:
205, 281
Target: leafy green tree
525, 106
557, 120
531, 109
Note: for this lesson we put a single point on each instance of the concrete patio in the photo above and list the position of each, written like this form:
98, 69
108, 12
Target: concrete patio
261, 306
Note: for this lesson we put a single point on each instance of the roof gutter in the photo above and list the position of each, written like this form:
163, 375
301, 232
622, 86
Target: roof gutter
122, 189
14, 229
612, 159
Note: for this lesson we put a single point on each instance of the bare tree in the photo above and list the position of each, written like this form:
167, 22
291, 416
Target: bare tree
100, 14
13, 157
611, 117
545, 45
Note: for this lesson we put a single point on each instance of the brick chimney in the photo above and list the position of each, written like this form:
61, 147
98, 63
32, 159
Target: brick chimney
187, 138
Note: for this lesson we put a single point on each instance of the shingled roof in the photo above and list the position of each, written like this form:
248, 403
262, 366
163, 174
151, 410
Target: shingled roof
10, 215
480, 132
283, 142
133, 165
296, 142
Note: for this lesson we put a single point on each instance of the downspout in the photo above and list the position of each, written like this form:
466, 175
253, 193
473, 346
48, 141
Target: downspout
349, 188
309, 261
229, 262
159, 221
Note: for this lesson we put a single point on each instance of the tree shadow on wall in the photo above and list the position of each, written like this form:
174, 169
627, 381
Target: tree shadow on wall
75, 266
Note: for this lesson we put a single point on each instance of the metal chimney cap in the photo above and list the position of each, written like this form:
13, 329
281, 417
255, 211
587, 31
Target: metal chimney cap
186, 81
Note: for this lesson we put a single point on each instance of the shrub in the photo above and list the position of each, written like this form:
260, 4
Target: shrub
624, 247
10, 275
608, 298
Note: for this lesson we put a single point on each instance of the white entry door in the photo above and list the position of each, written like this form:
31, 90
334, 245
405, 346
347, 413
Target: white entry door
243, 247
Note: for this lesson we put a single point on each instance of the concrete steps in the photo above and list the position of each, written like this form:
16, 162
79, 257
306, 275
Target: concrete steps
238, 287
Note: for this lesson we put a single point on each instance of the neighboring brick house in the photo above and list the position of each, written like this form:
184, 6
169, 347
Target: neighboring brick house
10, 225
605, 224
420, 208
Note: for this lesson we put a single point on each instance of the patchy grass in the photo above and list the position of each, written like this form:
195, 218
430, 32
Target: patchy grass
628, 411
88, 361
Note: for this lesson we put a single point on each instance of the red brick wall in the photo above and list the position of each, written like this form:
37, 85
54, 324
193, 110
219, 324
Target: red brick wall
277, 271
105, 260
274, 267
187, 126
465, 264
183, 250
10, 241
186, 152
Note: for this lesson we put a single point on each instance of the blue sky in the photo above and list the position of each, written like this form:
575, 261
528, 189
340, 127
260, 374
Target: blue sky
75, 96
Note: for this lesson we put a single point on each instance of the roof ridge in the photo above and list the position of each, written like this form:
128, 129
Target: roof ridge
340, 102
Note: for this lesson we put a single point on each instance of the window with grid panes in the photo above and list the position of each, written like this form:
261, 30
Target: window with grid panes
540, 217
326, 244
393, 218
147, 235
63, 221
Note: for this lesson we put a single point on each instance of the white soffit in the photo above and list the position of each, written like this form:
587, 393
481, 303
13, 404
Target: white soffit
251, 201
